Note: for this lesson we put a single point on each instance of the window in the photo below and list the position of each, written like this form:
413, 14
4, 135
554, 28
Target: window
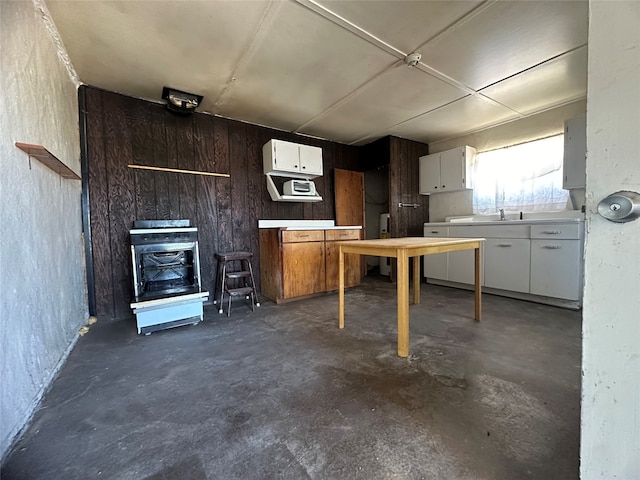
525, 177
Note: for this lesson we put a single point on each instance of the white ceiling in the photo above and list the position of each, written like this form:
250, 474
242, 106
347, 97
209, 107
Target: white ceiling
335, 68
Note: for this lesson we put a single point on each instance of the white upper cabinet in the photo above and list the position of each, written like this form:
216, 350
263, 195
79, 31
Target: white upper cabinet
575, 153
291, 159
310, 160
446, 171
430, 173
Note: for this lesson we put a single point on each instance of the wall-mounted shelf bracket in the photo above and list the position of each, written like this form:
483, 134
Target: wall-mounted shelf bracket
48, 159
277, 197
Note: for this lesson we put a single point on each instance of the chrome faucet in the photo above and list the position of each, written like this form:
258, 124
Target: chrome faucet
502, 214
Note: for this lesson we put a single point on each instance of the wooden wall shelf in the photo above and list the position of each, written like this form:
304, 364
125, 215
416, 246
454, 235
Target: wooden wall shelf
47, 158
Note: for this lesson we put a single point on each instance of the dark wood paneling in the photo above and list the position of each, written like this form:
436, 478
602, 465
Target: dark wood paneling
241, 212
98, 201
184, 153
255, 185
404, 188
145, 181
123, 130
223, 188
206, 218
118, 131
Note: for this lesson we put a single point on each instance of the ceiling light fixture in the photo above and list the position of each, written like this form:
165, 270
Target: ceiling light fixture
412, 59
180, 102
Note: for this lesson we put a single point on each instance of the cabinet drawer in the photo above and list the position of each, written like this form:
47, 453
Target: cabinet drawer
290, 236
508, 230
333, 235
436, 231
561, 231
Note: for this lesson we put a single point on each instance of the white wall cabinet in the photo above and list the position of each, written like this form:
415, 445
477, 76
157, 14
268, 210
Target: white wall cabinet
291, 159
310, 160
446, 171
575, 153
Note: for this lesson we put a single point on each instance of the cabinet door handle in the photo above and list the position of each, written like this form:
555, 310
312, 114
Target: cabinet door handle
552, 247
504, 245
435, 231
551, 232
304, 236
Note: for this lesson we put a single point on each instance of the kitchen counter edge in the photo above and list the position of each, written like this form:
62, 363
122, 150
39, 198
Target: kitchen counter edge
507, 222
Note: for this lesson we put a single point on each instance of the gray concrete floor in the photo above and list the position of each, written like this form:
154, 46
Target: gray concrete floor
282, 393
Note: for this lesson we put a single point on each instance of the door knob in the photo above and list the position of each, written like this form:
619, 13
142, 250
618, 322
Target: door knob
620, 207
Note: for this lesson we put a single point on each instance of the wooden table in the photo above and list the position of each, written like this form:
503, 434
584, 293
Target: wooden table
403, 249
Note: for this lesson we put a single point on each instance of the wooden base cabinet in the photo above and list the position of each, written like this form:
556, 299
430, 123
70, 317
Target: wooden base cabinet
352, 266
303, 269
298, 263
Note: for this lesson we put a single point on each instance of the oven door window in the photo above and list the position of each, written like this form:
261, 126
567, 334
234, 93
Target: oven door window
165, 271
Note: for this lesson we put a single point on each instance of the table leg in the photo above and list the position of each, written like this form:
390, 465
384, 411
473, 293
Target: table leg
340, 288
416, 280
403, 303
478, 292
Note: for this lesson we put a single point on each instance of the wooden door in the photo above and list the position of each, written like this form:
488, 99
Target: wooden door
349, 197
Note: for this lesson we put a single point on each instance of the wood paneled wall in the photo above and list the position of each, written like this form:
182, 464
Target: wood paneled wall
404, 187
404, 182
121, 130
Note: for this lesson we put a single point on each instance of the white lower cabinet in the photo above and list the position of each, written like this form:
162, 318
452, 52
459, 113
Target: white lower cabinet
541, 260
436, 265
556, 268
462, 267
458, 267
506, 264
462, 263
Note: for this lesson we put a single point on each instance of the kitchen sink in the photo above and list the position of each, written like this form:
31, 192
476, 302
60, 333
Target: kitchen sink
484, 218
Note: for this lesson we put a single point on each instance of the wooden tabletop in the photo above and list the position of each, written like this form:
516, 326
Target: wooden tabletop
413, 245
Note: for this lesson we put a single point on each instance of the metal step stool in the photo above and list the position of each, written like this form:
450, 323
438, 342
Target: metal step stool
235, 283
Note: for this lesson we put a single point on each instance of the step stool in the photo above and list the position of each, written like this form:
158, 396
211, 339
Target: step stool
235, 283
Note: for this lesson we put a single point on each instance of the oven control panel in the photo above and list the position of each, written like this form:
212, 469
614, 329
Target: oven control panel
152, 236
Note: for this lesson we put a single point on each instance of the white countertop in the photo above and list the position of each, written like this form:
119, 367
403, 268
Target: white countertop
340, 227
505, 222
306, 225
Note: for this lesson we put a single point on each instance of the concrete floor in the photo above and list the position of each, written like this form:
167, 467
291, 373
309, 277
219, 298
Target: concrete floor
282, 393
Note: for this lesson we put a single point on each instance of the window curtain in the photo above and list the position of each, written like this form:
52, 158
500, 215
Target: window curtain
526, 177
